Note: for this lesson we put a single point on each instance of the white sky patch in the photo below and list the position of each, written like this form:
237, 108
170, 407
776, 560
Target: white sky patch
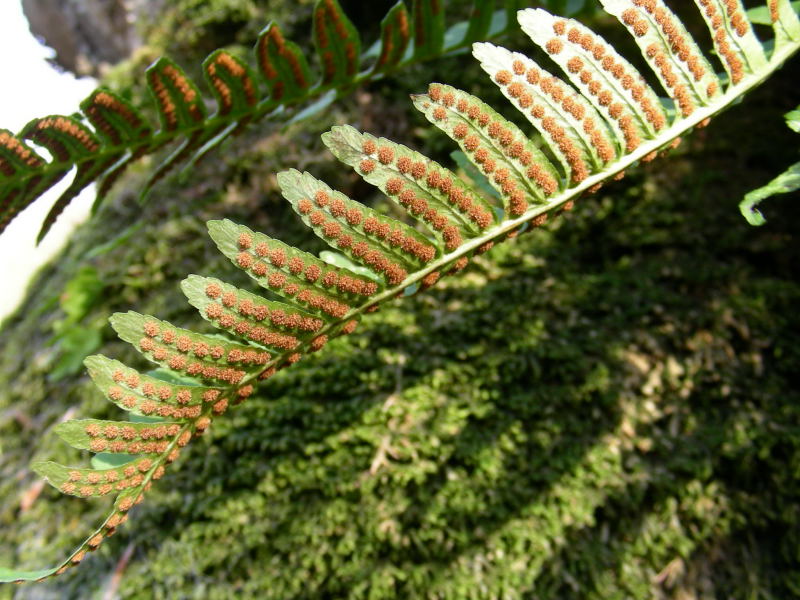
32, 88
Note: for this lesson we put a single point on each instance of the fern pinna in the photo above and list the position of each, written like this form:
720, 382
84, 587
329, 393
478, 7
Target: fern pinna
601, 120
121, 135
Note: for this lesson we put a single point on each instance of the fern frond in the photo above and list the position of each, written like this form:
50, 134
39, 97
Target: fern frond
121, 135
607, 123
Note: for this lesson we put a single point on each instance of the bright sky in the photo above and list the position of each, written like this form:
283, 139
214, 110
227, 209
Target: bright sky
32, 88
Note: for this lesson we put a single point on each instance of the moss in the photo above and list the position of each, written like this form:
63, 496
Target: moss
604, 408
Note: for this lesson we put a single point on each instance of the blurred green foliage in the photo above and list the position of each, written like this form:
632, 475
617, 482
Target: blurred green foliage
785, 183
77, 340
604, 408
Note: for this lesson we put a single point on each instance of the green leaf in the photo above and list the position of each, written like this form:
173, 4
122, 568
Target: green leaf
478, 178
337, 259
76, 342
143, 419
787, 26
107, 460
574, 7
172, 377
793, 119
395, 37
380, 243
788, 181
114, 118
282, 65
66, 138
734, 40
581, 152
316, 107
337, 42
433, 195
636, 115
411, 289
93, 435
232, 82
691, 88
177, 98
512, 7
428, 19
480, 19
92, 483
271, 324
15, 575
515, 167
125, 136
391, 167
19, 170
759, 15
298, 276
17, 156
498, 24
81, 293
14, 198
483, 23
187, 352
161, 393
69, 141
